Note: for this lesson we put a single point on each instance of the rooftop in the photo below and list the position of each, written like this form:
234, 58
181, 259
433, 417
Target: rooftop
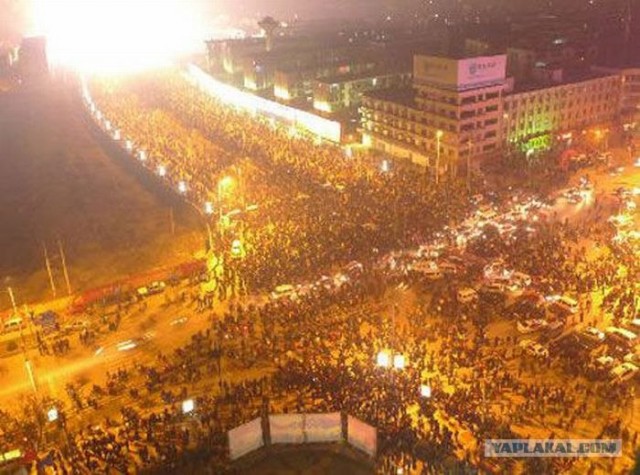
340, 78
405, 96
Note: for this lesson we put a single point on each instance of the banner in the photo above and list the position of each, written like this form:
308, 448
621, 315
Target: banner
245, 438
362, 436
323, 427
287, 428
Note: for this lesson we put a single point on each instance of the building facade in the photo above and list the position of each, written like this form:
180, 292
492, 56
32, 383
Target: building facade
337, 93
452, 111
533, 118
463, 109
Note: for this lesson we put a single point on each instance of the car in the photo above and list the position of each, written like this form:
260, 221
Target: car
554, 328
429, 269
526, 343
466, 295
353, 269
12, 324
284, 291
448, 267
76, 325
537, 350
623, 372
604, 362
155, 287
593, 334
493, 288
530, 326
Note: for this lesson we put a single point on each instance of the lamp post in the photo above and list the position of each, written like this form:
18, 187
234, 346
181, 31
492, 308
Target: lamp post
439, 134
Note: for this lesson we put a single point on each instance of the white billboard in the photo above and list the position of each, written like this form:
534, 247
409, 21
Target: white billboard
460, 74
481, 70
323, 427
287, 428
245, 438
362, 436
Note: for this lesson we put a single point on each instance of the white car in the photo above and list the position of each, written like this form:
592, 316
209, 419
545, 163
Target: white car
284, 291
623, 372
537, 350
594, 334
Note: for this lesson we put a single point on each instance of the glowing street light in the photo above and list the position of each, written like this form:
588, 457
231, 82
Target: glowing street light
142, 155
52, 414
107, 125
425, 391
208, 207
129, 145
385, 166
116, 135
383, 359
162, 170
398, 362
182, 187
188, 405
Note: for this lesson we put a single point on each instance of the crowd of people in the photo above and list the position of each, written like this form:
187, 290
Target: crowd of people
318, 209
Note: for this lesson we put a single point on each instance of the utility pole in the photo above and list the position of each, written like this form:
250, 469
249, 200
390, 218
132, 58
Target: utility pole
13, 300
172, 221
438, 137
64, 267
469, 143
48, 265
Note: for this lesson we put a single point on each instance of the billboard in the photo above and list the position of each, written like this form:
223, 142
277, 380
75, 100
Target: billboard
323, 427
460, 74
245, 438
481, 70
362, 436
287, 428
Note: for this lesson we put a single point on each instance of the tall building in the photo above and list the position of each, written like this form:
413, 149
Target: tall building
451, 112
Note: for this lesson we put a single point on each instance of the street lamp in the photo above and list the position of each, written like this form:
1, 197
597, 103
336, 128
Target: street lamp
162, 170
142, 155
382, 359
425, 391
208, 208
188, 405
385, 166
52, 414
398, 361
439, 135
182, 187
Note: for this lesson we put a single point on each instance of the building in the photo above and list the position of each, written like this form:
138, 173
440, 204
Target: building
631, 91
451, 112
336, 93
534, 117
460, 109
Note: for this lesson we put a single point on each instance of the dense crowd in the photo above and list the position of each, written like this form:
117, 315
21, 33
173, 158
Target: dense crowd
319, 209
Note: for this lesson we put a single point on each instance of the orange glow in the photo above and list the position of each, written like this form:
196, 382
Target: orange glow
114, 36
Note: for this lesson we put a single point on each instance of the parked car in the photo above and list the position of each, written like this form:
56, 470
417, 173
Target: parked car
623, 372
466, 295
530, 326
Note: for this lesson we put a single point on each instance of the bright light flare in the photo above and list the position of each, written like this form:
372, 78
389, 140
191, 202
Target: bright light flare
115, 36
383, 359
188, 405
